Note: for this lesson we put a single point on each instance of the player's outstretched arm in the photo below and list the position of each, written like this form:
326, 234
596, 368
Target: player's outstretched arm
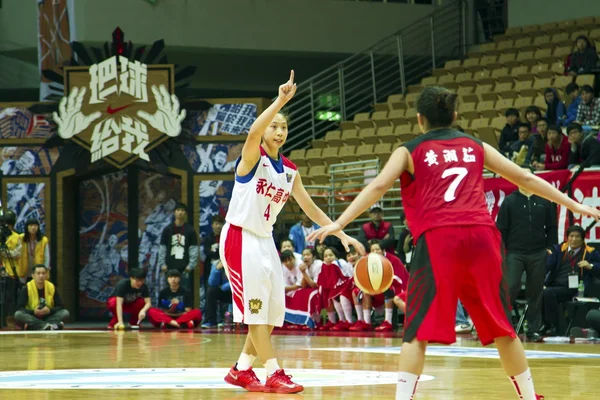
397, 164
251, 149
317, 215
495, 162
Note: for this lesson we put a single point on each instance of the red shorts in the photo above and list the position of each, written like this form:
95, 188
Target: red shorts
457, 262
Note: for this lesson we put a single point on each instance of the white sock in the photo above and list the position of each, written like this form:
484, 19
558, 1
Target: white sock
523, 384
331, 317
359, 312
367, 315
347, 306
389, 314
245, 362
339, 310
271, 366
407, 386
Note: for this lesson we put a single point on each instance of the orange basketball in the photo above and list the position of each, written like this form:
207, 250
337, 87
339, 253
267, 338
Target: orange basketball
373, 274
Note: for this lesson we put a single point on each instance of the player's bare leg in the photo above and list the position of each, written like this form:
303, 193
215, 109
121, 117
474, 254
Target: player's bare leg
512, 357
367, 304
412, 361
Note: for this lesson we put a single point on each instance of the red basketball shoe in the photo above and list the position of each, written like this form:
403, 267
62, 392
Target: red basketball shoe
244, 379
539, 397
279, 382
384, 327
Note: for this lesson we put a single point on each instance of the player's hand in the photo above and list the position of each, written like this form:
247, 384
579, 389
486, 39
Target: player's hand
288, 89
350, 241
174, 302
587, 210
141, 316
119, 325
327, 230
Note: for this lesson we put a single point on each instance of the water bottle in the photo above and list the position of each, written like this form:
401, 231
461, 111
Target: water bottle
228, 322
580, 289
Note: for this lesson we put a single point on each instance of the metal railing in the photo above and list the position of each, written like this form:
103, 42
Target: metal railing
354, 85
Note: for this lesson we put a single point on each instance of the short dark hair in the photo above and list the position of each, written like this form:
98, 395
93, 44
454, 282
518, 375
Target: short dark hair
217, 218
543, 119
554, 127
173, 272
512, 111
533, 109
287, 240
38, 235
437, 105
36, 266
10, 217
571, 87
576, 228
286, 255
574, 126
524, 125
587, 89
333, 250
181, 206
137, 273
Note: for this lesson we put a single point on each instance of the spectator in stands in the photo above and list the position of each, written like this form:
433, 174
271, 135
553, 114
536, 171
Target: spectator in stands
585, 150
510, 132
300, 231
130, 296
557, 112
557, 151
39, 306
571, 258
218, 292
588, 112
35, 249
378, 229
528, 227
533, 115
292, 276
584, 58
310, 268
536, 153
175, 305
12, 269
210, 248
572, 91
521, 147
593, 319
179, 247
405, 244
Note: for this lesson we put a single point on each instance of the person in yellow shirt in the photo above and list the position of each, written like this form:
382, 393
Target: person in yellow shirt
35, 249
11, 267
40, 307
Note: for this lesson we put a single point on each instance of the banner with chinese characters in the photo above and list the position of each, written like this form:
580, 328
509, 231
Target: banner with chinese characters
496, 189
119, 109
585, 191
223, 119
103, 245
158, 196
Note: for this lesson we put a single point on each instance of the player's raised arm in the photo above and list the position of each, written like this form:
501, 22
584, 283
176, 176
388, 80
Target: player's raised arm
495, 162
251, 149
317, 215
397, 164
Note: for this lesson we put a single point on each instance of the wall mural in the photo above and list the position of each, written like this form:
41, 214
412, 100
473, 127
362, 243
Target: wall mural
103, 211
158, 196
23, 124
27, 160
27, 200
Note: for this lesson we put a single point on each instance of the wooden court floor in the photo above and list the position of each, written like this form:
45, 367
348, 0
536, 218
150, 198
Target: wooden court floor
191, 365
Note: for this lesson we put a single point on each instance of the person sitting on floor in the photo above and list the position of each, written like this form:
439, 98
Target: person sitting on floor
132, 296
175, 305
39, 306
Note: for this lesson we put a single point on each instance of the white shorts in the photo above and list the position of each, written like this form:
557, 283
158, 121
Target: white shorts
255, 274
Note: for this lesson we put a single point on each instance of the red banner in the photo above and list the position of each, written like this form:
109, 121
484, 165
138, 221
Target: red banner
585, 191
496, 189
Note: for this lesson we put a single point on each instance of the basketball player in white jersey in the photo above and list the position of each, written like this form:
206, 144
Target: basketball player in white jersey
264, 180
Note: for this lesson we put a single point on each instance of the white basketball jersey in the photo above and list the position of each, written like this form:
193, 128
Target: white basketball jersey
258, 197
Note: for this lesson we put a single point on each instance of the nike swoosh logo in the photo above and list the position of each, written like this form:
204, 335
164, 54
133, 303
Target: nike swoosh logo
233, 376
287, 385
111, 110
265, 165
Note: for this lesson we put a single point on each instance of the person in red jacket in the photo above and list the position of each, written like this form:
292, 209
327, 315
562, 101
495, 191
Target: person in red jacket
557, 151
378, 229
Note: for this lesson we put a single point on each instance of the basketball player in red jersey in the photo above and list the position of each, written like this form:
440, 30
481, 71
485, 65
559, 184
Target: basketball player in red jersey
264, 180
458, 248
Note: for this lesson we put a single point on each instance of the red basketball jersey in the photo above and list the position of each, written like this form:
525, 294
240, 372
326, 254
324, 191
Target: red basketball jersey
447, 185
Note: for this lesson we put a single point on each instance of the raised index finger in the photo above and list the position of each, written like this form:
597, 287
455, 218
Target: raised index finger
292, 77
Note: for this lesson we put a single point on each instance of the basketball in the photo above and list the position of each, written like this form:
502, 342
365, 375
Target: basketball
373, 274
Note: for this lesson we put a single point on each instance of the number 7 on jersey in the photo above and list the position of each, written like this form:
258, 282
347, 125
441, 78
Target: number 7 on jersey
460, 172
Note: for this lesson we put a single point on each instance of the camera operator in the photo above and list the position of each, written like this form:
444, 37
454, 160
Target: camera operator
9, 256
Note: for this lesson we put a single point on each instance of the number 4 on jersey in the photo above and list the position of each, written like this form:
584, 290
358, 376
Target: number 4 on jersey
460, 173
268, 212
